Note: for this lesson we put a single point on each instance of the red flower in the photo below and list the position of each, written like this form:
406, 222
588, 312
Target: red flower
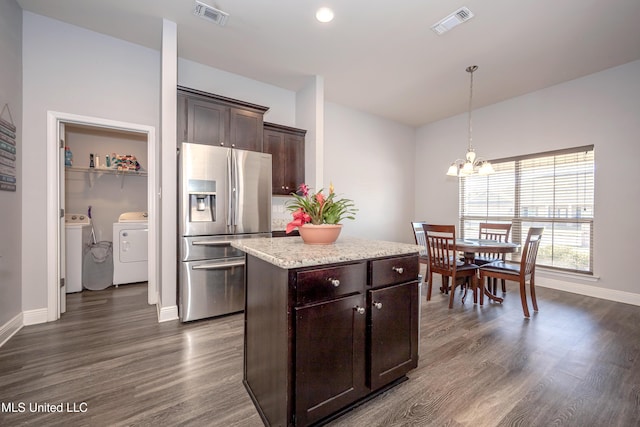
304, 188
299, 218
320, 198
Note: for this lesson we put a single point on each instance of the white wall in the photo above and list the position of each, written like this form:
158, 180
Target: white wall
72, 70
602, 109
281, 102
310, 116
10, 207
370, 160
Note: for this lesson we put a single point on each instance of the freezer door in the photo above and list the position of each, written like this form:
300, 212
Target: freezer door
211, 288
204, 190
251, 191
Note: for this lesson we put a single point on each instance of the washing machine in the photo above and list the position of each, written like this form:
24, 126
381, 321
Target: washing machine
130, 248
77, 236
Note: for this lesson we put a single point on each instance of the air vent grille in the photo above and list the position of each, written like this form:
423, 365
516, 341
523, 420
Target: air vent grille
210, 13
453, 20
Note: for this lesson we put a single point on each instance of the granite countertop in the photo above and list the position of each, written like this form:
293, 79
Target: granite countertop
292, 252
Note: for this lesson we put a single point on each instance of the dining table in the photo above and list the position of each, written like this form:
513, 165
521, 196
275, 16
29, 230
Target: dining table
470, 247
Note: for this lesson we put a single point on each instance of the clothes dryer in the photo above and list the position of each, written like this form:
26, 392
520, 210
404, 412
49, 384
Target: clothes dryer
131, 248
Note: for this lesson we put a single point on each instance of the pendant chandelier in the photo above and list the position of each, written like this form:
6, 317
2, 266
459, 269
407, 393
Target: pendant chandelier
471, 164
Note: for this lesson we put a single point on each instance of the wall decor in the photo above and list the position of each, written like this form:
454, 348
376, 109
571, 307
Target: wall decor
7, 151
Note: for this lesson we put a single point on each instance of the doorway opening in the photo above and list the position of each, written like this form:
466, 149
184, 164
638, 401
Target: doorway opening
68, 130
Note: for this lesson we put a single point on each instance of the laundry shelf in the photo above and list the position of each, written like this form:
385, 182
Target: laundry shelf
106, 171
98, 172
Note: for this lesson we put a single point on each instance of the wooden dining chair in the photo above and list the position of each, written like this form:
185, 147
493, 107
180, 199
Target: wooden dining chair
443, 260
418, 233
522, 273
493, 231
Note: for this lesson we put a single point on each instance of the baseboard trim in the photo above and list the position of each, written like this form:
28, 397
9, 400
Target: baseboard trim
589, 291
10, 328
34, 317
167, 314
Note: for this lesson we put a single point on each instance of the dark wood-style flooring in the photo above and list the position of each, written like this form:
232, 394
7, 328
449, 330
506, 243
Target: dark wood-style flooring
575, 363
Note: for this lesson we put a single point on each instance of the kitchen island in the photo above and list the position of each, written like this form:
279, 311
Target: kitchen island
326, 327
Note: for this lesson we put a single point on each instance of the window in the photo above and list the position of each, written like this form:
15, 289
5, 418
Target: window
554, 190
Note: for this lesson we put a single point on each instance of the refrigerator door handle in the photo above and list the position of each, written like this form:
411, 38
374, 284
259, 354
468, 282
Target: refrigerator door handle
236, 189
230, 173
218, 266
212, 243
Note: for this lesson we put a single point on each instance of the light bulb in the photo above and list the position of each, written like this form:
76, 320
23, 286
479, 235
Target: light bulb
467, 169
486, 169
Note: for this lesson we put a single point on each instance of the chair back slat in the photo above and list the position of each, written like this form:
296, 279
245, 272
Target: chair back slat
494, 231
530, 251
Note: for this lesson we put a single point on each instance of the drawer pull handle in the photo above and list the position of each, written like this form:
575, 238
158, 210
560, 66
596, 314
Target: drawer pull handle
377, 305
211, 243
219, 266
398, 270
360, 310
334, 282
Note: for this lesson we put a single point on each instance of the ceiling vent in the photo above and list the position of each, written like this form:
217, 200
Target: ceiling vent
210, 13
456, 18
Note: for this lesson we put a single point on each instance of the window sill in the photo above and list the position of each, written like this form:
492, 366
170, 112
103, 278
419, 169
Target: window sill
566, 275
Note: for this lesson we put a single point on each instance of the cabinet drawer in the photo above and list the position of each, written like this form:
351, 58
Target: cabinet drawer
326, 283
394, 270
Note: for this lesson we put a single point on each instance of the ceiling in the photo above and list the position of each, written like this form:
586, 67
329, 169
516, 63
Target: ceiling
382, 57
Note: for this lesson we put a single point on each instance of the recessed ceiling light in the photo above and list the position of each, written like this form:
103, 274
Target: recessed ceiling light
324, 14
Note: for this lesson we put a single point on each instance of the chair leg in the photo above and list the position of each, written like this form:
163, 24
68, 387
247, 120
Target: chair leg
523, 297
504, 286
481, 289
445, 285
474, 287
533, 294
429, 286
452, 293
464, 287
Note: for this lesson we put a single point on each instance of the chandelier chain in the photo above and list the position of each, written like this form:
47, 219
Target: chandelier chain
470, 70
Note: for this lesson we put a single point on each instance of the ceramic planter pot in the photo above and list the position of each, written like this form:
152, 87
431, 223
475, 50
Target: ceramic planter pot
322, 234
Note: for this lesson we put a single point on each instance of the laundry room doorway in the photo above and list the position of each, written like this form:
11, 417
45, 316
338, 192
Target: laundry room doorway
99, 171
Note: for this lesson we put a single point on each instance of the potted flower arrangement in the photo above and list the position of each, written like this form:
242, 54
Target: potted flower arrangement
317, 216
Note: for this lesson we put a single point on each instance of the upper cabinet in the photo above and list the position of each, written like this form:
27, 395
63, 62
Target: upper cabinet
286, 145
204, 118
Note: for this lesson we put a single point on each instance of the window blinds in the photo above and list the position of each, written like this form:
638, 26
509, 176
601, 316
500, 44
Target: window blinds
554, 190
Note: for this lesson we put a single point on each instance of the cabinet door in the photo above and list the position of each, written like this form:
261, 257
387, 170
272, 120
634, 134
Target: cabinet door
207, 122
294, 153
394, 332
246, 129
273, 144
329, 357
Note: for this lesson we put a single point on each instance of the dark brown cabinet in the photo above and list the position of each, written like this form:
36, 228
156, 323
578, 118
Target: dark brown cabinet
205, 118
329, 357
286, 145
394, 332
319, 339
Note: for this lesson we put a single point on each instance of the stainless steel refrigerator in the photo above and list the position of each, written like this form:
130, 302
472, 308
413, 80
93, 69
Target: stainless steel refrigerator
224, 194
